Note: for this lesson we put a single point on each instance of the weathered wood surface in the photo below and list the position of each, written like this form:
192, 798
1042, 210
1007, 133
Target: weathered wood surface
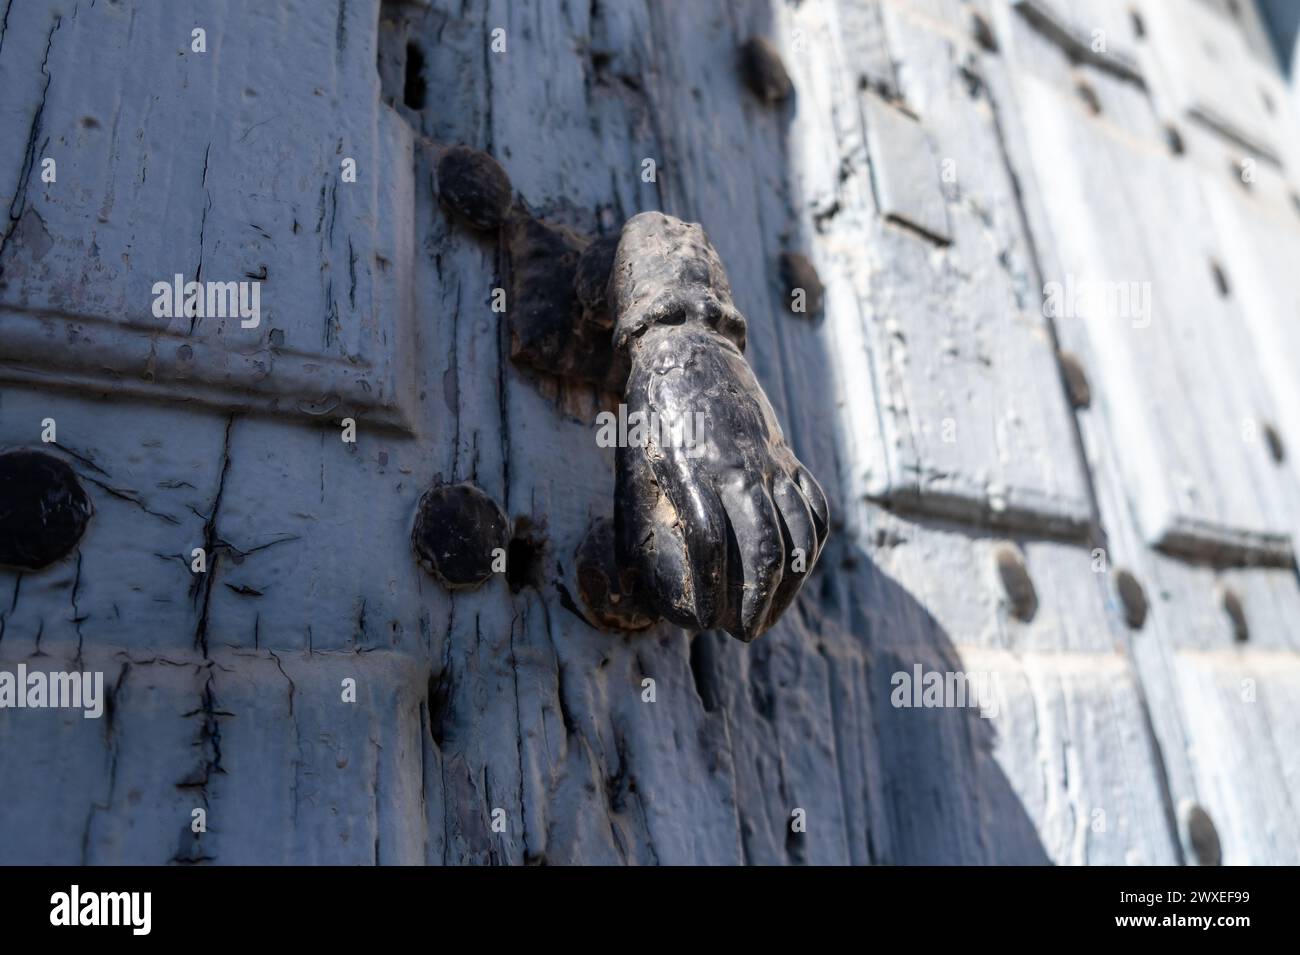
927, 398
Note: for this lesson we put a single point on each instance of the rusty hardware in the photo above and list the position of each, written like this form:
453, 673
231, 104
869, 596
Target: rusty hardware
591, 282
764, 73
559, 318
721, 529
558, 314
1022, 599
1133, 598
459, 532
43, 509
720, 533
611, 594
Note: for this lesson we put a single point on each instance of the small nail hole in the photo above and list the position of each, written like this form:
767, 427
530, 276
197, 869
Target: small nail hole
1220, 279
1231, 604
1076, 380
1089, 97
983, 33
1174, 140
1273, 440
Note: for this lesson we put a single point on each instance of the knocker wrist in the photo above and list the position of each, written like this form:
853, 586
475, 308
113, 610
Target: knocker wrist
667, 274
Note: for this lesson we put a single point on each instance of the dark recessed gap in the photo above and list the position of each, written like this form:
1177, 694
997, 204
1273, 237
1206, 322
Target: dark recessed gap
525, 557
794, 845
1139, 28
1268, 101
413, 89
1295, 202
762, 690
1220, 279
703, 664
438, 703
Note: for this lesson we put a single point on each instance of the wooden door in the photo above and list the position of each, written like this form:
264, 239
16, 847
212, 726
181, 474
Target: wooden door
990, 464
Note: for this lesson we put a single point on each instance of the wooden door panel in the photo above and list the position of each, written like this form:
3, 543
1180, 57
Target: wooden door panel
1106, 196
195, 164
1202, 65
1066, 731
971, 420
230, 686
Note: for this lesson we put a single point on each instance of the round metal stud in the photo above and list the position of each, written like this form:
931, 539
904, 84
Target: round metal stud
1022, 599
1200, 838
1133, 597
43, 509
1076, 380
474, 186
799, 274
458, 530
763, 70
